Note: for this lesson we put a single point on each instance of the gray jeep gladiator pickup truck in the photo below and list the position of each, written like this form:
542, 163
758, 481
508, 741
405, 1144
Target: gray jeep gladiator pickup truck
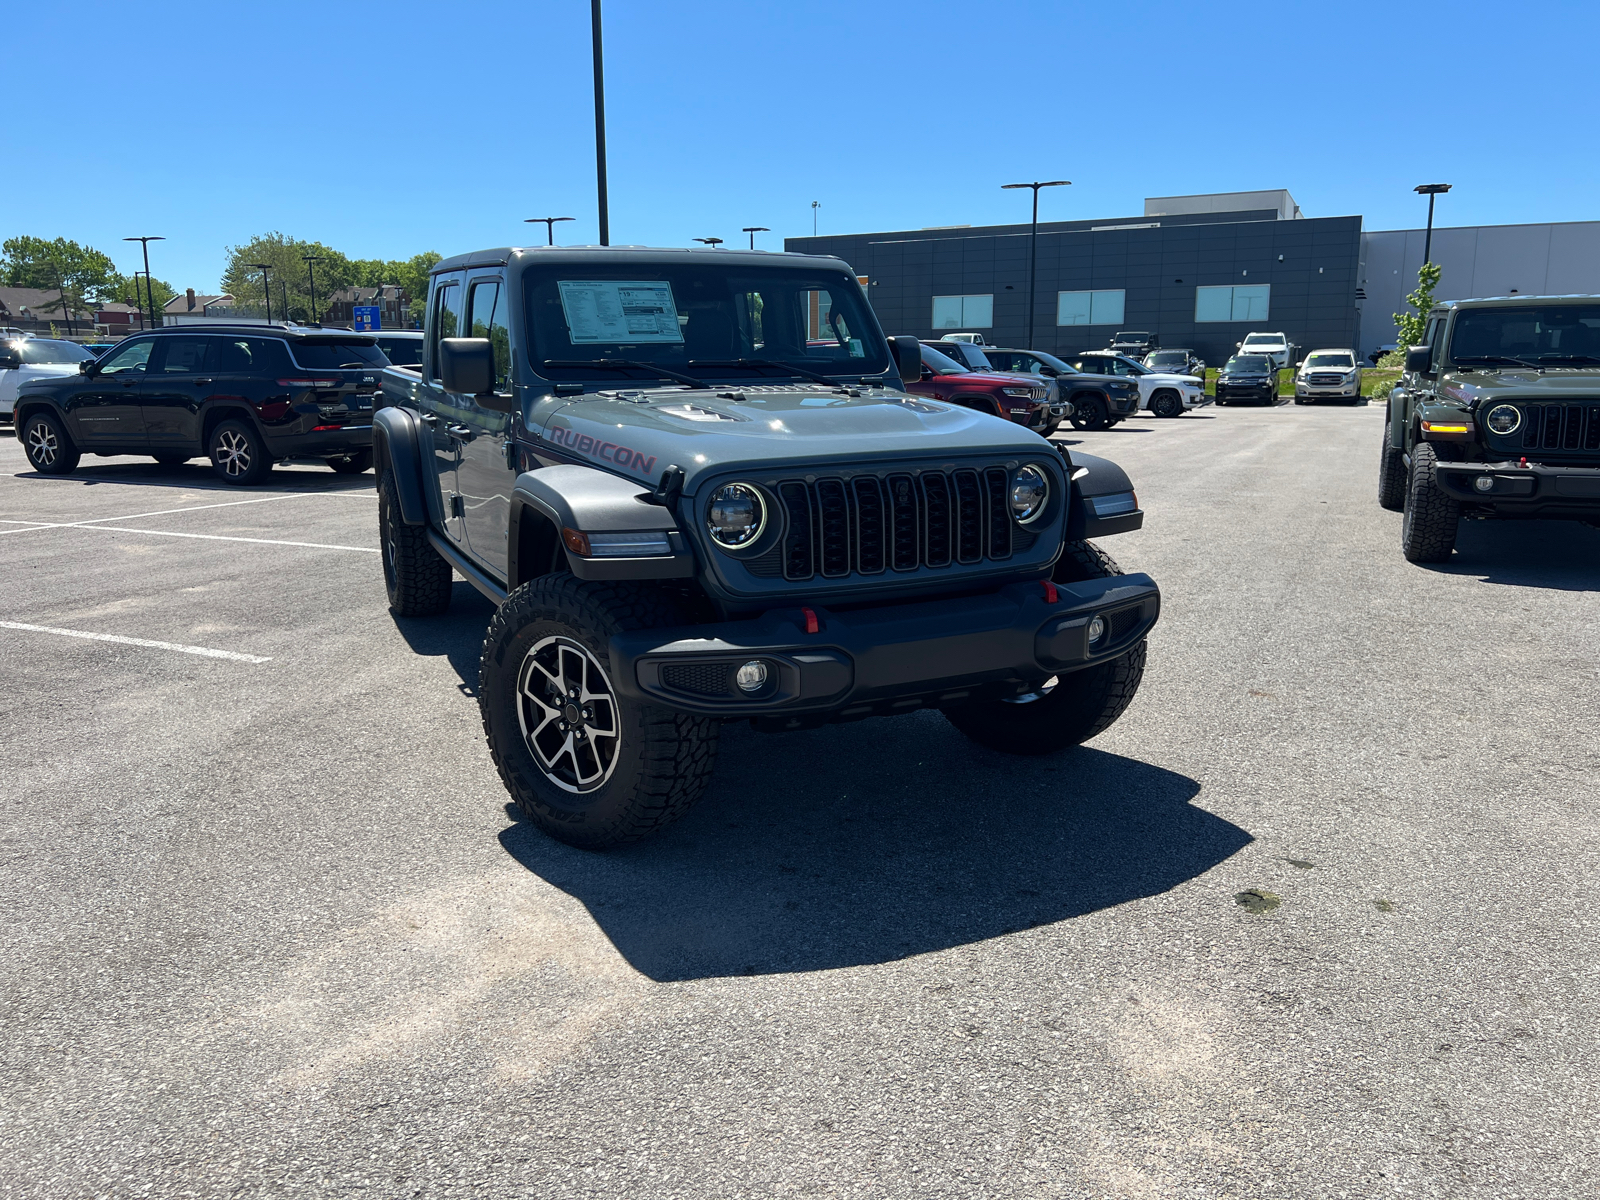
696, 488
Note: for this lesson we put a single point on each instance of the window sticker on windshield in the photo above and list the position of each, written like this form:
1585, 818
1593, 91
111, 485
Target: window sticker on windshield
855, 349
611, 311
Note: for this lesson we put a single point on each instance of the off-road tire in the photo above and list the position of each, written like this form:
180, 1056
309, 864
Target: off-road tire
1082, 705
356, 463
418, 581
172, 460
238, 455
663, 759
50, 451
1391, 475
1091, 414
1166, 404
1428, 534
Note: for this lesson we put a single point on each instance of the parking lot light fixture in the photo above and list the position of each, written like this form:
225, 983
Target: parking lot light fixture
815, 204
549, 226
1033, 239
266, 287
311, 260
144, 242
1430, 190
713, 242
752, 230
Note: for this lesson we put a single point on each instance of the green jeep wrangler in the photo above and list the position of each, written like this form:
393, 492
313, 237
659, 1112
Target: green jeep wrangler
1497, 416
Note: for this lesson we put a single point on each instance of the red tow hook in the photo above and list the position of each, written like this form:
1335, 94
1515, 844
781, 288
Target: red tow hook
1524, 462
1050, 593
812, 625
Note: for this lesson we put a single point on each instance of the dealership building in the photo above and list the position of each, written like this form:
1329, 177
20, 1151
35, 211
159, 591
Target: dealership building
1200, 271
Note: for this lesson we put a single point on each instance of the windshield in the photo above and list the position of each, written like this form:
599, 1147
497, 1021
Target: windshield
1264, 339
1050, 360
971, 357
1131, 337
1544, 333
1247, 364
1331, 360
697, 318
402, 352
941, 364
328, 356
42, 350
1162, 359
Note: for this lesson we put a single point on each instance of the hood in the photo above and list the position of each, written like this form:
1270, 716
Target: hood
1169, 377
70, 368
709, 432
1000, 379
1554, 383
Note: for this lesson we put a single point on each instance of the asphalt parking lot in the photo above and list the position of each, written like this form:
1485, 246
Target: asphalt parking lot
270, 930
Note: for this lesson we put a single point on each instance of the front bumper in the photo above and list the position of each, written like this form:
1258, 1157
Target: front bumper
1123, 406
1254, 391
878, 661
1347, 391
1535, 490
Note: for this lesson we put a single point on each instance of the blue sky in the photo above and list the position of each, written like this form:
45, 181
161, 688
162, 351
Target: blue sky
722, 115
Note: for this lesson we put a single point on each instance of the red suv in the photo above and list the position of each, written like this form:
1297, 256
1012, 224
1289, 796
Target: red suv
1025, 399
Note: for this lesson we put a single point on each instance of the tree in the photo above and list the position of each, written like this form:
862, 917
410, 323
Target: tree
81, 273
287, 272
1414, 324
409, 273
131, 290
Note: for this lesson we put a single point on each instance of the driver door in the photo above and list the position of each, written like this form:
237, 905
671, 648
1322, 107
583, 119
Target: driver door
103, 413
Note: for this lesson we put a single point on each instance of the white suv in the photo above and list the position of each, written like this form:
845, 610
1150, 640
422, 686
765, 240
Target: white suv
1328, 375
1163, 394
1269, 345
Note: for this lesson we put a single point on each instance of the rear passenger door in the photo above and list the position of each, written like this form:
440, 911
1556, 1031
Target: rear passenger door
483, 429
175, 387
438, 409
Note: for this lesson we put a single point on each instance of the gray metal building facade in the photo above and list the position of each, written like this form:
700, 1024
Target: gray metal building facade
1157, 261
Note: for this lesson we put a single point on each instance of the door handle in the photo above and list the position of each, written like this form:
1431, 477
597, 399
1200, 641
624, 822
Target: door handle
429, 419
128, 382
460, 431
200, 382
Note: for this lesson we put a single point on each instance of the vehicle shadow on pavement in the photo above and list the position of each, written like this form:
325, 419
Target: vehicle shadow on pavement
1561, 555
458, 635
199, 477
838, 848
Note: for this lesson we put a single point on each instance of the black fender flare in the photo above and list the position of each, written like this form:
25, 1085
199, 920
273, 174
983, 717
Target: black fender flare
25, 406
1092, 477
572, 502
397, 448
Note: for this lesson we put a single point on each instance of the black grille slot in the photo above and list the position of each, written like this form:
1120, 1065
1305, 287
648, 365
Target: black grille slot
936, 518
833, 527
870, 525
1572, 433
999, 512
797, 552
969, 517
1535, 426
1552, 426
1120, 622
701, 679
907, 542
1591, 438
1561, 427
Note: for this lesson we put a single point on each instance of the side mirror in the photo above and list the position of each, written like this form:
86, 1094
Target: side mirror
1418, 359
1050, 371
907, 357
86, 367
466, 365
1238, 345
10, 360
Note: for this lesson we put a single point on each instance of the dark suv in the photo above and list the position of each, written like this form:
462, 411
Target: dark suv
1134, 343
243, 395
1249, 377
1098, 401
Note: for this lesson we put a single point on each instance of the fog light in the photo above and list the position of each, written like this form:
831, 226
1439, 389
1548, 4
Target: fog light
1097, 630
751, 677
1484, 483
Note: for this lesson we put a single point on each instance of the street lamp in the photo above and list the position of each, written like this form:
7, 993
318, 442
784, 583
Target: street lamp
149, 291
266, 287
1430, 190
1033, 239
549, 226
600, 125
310, 260
815, 204
712, 242
752, 230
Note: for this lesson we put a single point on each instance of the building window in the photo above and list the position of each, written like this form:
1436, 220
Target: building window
963, 312
1090, 308
1243, 303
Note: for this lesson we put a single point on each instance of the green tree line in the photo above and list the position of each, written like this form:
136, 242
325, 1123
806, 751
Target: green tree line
84, 275
290, 276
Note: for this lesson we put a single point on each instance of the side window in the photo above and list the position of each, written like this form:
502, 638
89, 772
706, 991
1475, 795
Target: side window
185, 355
1436, 342
129, 359
445, 320
486, 318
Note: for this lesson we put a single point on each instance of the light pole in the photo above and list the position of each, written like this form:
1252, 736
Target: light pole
815, 204
310, 261
712, 242
752, 230
149, 290
549, 226
1430, 190
266, 287
1033, 240
600, 126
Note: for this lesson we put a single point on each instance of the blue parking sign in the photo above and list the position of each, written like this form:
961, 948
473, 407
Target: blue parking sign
367, 319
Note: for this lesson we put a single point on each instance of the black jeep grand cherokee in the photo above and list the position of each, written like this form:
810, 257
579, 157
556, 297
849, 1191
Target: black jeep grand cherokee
245, 396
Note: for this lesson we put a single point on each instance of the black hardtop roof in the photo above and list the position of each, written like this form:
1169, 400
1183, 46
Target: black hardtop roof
608, 255
274, 329
1514, 301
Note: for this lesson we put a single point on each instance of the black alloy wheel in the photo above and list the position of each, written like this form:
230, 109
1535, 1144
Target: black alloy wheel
1166, 404
1090, 414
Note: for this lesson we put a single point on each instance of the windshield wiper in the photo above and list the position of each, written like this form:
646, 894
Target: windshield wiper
765, 362
1571, 358
1495, 358
625, 364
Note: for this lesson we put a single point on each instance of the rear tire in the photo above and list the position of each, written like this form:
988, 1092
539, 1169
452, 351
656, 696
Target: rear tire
238, 455
586, 766
355, 463
1079, 706
1428, 534
1391, 475
50, 451
418, 581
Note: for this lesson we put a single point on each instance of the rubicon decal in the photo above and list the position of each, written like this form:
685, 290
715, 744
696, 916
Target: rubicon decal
607, 451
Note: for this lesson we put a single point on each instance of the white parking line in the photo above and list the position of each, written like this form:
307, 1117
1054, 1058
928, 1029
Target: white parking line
218, 537
203, 651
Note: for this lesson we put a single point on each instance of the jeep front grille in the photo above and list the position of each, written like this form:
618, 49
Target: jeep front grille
1561, 426
900, 522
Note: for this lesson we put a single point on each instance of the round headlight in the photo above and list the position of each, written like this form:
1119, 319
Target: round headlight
1030, 488
737, 515
1504, 419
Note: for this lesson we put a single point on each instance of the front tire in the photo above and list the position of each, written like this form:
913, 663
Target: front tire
1166, 404
1428, 534
50, 451
418, 581
1077, 706
1391, 475
587, 766
238, 455
1090, 414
